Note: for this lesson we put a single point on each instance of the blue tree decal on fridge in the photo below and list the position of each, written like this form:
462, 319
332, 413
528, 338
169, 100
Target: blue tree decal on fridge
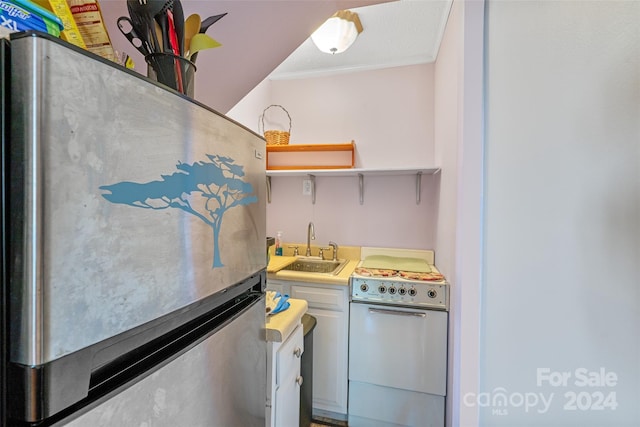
204, 189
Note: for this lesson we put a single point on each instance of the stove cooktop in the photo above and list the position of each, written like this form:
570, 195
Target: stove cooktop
424, 289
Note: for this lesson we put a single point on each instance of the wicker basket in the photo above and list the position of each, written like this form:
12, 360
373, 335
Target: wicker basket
276, 137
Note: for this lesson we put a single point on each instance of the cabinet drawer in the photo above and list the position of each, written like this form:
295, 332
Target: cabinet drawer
288, 356
330, 299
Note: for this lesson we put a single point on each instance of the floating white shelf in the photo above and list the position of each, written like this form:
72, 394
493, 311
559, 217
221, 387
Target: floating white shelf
353, 172
359, 172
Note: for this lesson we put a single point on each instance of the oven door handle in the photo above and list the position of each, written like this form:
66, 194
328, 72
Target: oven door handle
396, 312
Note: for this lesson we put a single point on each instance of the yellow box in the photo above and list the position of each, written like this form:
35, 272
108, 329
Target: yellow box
61, 9
88, 18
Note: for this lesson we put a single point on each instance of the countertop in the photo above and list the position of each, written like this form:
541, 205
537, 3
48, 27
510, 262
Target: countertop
277, 263
280, 325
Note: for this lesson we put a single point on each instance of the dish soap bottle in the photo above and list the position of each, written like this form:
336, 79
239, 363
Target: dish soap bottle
279, 243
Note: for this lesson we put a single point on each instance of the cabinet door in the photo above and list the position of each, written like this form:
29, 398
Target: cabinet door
287, 402
289, 354
329, 361
330, 345
287, 395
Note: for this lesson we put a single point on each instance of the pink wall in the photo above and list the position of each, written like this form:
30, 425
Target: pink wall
447, 110
459, 145
388, 217
389, 114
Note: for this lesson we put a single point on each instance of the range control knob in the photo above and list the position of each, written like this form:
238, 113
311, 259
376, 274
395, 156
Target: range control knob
364, 287
413, 292
392, 290
431, 293
382, 289
402, 290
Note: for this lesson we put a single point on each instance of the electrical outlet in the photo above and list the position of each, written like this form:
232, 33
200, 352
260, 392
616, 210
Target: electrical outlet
306, 187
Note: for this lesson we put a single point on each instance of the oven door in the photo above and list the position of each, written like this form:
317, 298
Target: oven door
398, 347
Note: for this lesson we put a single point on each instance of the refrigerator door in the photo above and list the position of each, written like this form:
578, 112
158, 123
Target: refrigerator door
132, 210
219, 382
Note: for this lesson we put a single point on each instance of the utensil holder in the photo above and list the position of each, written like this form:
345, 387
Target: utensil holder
173, 71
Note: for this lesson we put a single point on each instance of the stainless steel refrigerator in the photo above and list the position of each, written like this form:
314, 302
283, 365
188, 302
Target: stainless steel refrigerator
133, 249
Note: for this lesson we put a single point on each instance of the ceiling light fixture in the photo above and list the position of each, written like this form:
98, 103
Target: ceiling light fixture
338, 32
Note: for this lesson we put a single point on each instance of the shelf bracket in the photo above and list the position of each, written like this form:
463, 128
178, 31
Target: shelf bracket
361, 187
268, 189
418, 187
313, 188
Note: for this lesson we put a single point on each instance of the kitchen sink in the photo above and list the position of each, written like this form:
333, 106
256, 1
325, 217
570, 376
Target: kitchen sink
317, 266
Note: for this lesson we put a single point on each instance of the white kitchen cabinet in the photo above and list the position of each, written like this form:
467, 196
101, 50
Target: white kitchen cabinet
285, 380
329, 304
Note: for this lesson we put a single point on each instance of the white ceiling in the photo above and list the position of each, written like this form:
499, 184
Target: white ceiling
402, 32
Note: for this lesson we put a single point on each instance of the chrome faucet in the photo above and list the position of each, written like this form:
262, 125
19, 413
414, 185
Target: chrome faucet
311, 235
334, 245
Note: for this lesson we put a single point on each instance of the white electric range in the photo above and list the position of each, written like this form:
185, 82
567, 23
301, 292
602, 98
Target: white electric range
397, 339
